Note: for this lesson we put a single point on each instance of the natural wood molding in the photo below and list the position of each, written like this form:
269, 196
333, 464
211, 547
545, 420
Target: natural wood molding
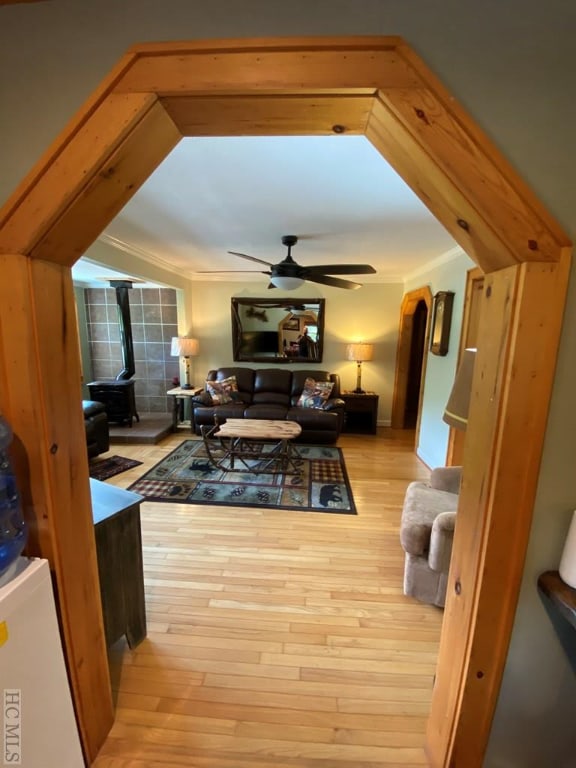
409, 303
97, 172
423, 132
464, 153
41, 388
314, 114
513, 377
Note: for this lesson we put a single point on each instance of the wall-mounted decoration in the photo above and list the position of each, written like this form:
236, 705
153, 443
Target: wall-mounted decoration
293, 331
441, 318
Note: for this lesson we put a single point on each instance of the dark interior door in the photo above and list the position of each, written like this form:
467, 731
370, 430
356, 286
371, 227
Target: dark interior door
415, 368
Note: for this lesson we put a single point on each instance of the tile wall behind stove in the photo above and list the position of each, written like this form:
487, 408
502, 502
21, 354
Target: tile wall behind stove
154, 322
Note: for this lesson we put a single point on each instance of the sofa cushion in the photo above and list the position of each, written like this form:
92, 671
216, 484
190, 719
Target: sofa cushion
266, 411
314, 419
272, 386
315, 393
223, 391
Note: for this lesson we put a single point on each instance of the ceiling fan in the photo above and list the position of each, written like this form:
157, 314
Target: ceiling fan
287, 274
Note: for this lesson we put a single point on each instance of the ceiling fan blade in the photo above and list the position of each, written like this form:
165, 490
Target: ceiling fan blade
230, 271
340, 269
251, 258
334, 281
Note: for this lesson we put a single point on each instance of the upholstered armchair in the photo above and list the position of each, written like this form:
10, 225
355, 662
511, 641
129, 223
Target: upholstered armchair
427, 532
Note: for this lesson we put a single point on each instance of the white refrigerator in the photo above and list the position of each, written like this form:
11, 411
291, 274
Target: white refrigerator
38, 724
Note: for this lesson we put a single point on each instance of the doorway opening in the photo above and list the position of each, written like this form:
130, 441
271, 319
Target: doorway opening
410, 372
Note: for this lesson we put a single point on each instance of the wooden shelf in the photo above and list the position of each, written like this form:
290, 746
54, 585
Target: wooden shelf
562, 597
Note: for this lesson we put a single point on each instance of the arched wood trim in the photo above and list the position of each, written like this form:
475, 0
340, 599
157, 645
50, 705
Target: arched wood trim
371, 85
407, 310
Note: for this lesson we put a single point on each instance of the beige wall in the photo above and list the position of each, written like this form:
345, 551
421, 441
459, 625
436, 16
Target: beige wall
370, 313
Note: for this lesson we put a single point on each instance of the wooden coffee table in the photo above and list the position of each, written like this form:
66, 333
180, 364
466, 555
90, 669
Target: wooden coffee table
243, 445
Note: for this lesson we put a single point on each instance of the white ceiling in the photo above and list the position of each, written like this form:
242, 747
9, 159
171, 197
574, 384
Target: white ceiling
336, 193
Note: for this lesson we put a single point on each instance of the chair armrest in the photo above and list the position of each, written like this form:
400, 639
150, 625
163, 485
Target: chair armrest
446, 479
333, 404
441, 540
204, 398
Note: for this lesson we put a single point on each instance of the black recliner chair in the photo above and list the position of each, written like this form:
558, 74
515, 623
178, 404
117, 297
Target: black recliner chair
96, 424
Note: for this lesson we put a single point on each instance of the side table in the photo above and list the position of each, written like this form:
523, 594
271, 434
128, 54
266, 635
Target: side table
180, 396
116, 515
361, 412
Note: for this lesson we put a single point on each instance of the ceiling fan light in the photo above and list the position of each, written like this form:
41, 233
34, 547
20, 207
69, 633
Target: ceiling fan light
286, 283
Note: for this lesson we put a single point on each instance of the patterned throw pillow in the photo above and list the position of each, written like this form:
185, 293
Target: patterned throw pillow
222, 391
315, 393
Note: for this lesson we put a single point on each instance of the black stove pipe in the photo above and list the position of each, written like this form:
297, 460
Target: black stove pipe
122, 287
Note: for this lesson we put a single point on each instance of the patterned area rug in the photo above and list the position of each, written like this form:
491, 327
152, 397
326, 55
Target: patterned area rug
186, 476
102, 469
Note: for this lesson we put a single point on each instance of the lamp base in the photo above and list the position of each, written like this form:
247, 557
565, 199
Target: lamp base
186, 386
359, 391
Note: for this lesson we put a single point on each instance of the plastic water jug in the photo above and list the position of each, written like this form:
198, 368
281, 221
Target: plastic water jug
13, 531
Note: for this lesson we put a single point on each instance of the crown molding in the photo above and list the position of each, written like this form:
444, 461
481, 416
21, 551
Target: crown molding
444, 258
139, 253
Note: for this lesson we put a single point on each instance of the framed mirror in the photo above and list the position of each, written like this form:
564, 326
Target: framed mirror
277, 330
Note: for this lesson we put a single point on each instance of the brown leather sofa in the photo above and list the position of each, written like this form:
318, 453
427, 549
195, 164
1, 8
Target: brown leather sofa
96, 425
272, 393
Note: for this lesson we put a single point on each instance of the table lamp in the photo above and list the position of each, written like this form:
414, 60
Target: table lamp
359, 353
186, 348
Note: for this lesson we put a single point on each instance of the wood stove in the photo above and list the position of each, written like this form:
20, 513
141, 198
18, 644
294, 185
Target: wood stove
118, 395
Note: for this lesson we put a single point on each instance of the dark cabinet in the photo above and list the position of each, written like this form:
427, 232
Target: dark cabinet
361, 412
116, 515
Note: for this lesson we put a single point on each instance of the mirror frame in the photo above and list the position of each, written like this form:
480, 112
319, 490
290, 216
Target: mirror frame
263, 304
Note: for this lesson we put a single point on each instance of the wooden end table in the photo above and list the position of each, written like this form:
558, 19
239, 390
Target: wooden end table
361, 412
180, 396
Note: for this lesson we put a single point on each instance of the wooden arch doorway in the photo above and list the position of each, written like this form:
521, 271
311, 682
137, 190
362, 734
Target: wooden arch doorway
375, 86
411, 359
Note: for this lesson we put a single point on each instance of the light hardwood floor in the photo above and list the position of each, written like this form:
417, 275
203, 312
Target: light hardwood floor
278, 639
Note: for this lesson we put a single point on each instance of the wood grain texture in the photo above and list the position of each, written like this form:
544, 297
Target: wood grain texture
261, 648
343, 65
51, 462
513, 374
78, 160
439, 192
464, 153
315, 114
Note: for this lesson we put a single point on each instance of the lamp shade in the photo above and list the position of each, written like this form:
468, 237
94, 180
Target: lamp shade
456, 411
359, 352
183, 347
